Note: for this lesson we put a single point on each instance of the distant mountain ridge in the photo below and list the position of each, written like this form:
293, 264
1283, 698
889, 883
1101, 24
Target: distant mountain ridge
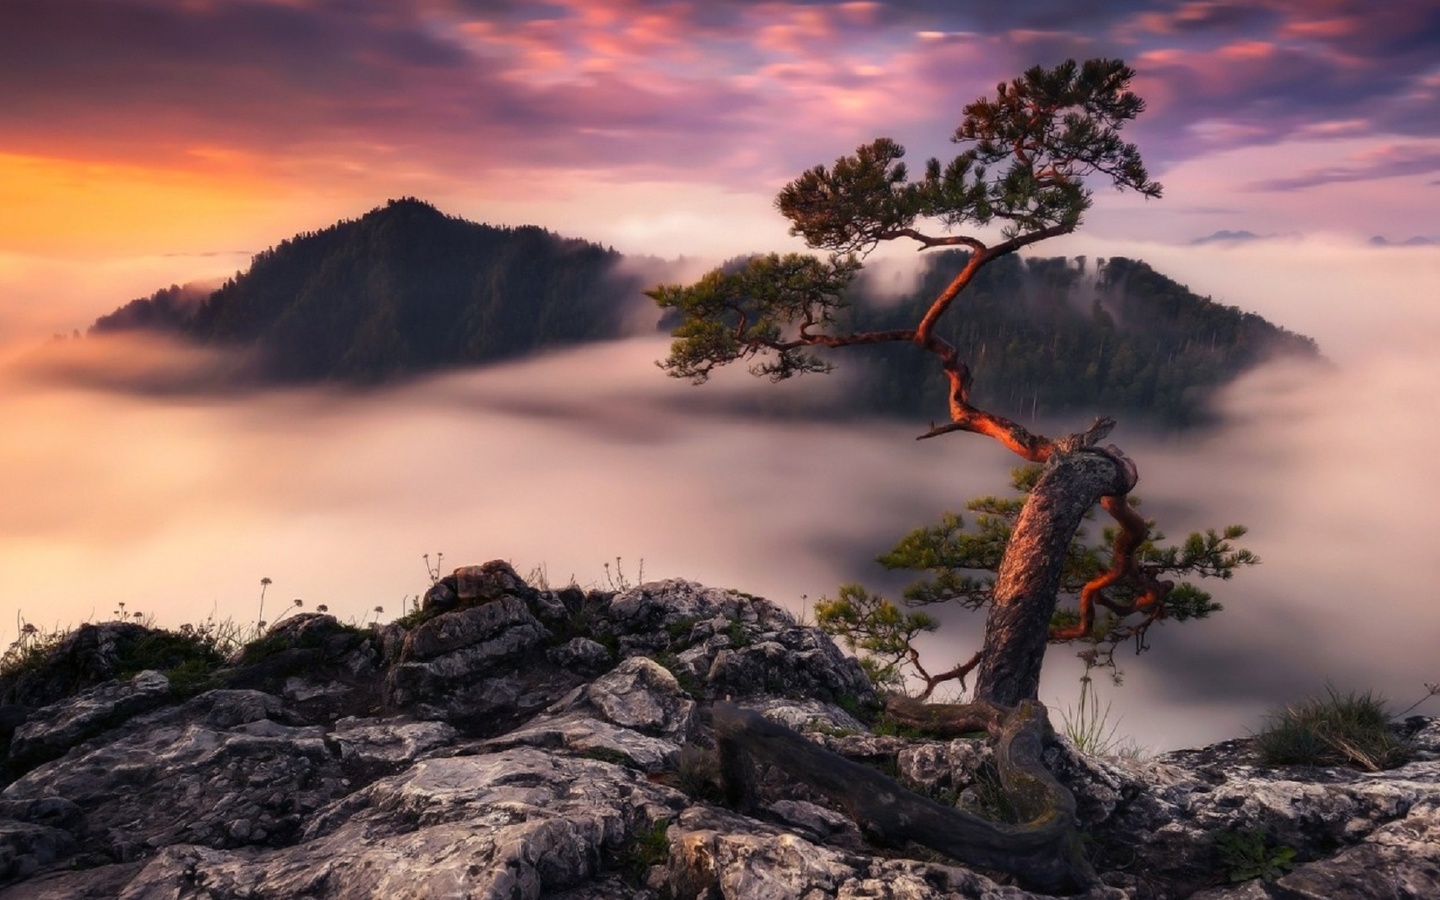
1066, 336
405, 290
402, 290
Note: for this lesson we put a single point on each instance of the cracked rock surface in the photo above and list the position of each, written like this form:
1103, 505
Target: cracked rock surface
522, 743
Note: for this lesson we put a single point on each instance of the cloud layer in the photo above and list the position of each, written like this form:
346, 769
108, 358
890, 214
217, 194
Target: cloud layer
178, 505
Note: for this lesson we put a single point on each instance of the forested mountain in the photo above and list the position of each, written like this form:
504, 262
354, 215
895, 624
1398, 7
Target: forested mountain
401, 290
406, 289
1046, 336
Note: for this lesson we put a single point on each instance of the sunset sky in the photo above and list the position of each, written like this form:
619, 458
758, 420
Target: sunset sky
150, 142
179, 128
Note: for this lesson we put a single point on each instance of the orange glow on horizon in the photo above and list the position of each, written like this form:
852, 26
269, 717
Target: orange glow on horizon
87, 208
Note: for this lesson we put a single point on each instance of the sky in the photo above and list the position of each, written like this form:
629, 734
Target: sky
150, 142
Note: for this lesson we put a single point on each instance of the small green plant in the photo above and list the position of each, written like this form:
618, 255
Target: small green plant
415, 617
680, 629
31, 647
887, 727
737, 634
608, 755
1336, 730
137, 618
1252, 853
879, 630
265, 583
1088, 724
650, 846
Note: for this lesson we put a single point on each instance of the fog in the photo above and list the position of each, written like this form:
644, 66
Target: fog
177, 505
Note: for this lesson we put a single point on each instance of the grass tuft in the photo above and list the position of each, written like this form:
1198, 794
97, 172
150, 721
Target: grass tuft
1335, 730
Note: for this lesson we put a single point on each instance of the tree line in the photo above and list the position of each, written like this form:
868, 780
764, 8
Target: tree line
406, 290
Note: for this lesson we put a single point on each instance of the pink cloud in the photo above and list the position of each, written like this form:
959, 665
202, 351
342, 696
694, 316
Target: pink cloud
473, 91
1381, 162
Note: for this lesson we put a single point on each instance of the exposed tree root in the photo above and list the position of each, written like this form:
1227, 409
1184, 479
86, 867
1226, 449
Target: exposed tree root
1043, 852
943, 720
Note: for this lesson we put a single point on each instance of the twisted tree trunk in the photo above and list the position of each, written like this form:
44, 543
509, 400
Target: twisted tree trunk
1017, 628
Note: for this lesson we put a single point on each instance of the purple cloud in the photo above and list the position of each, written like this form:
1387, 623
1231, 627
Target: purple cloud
734, 90
1386, 162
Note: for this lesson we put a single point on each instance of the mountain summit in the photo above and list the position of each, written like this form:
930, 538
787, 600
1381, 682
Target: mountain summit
403, 289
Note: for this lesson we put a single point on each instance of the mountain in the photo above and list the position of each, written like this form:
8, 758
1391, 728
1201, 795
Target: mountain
1052, 336
670, 740
1418, 240
1225, 236
402, 290
406, 289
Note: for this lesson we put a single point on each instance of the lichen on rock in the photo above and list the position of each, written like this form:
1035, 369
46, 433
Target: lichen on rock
518, 742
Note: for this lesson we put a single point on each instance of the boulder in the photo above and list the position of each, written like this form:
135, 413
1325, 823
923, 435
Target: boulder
54, 729
90, 655
516, 742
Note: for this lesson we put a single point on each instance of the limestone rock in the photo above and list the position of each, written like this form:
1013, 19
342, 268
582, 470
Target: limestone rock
51, 731
518, 742
641, 695
519, 823
88, 656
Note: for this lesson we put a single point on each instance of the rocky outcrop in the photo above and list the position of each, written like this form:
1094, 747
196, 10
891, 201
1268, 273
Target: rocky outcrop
513, 742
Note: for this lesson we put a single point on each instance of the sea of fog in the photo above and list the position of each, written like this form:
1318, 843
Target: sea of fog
177, 505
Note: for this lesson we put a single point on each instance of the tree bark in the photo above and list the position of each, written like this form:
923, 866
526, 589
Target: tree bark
1043, 852
1017, 628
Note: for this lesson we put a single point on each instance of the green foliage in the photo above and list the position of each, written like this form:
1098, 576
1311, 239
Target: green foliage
30, 649
650, 846
1047, 336
416, 616
1089, 727
608, 755
1253, 854
875, 626
186, 657
888, 727
732, 315
680, 629
738, 635
959, 562
1049, 129
852, 705
1335, 730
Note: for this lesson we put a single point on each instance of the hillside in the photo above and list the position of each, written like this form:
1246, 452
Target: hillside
1051, 336
402, 290
406, 289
